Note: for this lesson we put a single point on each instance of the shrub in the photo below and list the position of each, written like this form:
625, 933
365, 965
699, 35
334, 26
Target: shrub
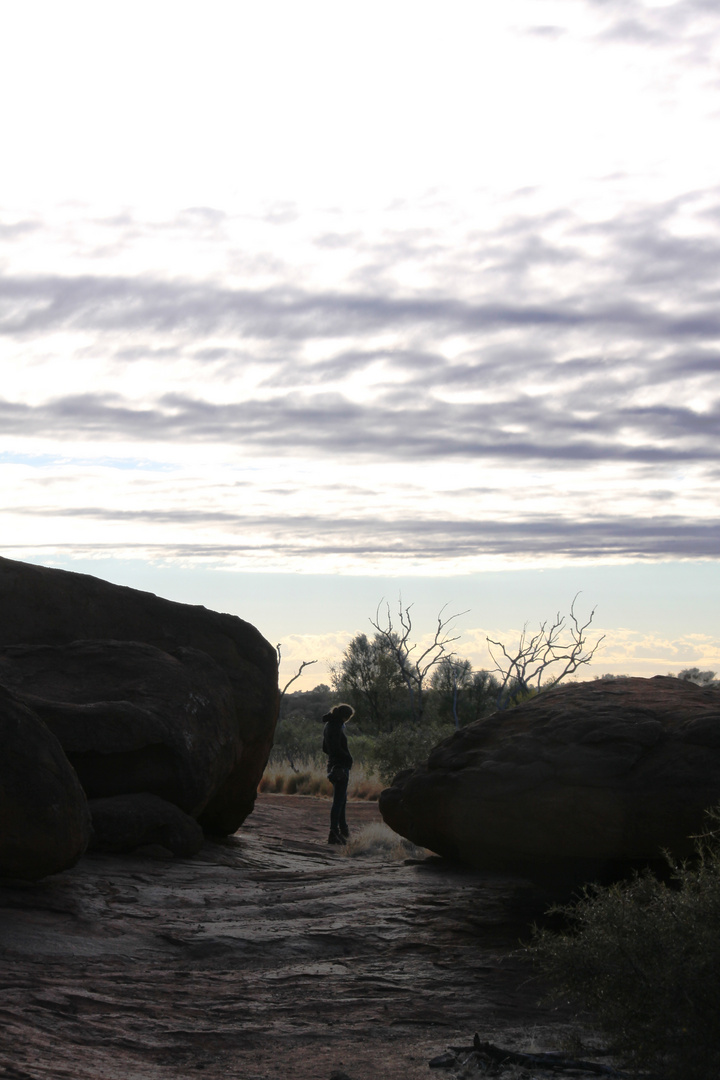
299, 738
405, 746
296, 737
361, 746
644, 957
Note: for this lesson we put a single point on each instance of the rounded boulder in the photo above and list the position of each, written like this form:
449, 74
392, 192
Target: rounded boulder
583, 780
44, 817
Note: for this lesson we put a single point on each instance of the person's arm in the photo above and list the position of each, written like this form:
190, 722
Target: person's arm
343, 750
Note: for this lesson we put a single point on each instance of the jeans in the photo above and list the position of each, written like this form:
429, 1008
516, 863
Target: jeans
339, 779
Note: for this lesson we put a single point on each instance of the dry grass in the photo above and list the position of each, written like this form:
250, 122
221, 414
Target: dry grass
379, 839
310, 779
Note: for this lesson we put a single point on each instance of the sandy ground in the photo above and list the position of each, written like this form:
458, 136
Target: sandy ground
269, 954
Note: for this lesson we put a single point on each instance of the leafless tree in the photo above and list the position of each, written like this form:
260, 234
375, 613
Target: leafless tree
451, 676
560, 643
289, 752
414, 669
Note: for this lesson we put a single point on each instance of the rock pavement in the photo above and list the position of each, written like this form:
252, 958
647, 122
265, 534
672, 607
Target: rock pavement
267, 955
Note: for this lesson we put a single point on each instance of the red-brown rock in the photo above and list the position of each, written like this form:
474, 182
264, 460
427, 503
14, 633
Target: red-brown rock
44, 818
126, 822
586, 778
131, 718
43, 606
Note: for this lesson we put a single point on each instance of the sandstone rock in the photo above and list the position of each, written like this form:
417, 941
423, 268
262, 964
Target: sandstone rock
55, 607
130, 717
587, 778
44, 818
266, 955
126, 822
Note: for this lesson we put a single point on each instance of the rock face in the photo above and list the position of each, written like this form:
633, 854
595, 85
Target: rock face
47, 607
131, 718
126, 822
44, 818
588, 779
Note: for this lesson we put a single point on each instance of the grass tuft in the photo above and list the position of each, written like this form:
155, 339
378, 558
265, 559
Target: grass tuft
379, 839
310, 778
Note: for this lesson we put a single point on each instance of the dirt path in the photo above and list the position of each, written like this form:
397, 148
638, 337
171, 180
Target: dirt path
267, 955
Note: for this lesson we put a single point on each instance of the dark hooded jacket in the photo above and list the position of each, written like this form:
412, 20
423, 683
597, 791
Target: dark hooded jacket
335, 745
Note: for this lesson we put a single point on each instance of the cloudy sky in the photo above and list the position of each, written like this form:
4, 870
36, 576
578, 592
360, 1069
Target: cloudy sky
307, 305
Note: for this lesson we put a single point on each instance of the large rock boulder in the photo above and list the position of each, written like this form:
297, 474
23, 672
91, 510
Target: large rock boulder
44, 817
126, 822
43, 606
132, 718
581, 781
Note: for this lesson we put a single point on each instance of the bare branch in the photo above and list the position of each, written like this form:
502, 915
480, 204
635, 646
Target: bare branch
415, 669
304, 664
523, 672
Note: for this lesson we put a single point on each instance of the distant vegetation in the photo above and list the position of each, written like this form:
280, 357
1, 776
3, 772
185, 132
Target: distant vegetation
407, 697
383, 736
701, 678
308, 777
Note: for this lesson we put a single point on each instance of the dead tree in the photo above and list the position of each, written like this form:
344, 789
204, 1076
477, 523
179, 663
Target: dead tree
523, 672
414, 669
305, 663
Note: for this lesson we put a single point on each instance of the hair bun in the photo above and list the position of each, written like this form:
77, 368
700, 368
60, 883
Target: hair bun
339, 712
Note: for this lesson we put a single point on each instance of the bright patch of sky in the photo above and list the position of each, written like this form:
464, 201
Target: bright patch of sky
39, 461
396, 292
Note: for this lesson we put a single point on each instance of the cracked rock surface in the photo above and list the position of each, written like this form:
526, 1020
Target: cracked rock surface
267, 954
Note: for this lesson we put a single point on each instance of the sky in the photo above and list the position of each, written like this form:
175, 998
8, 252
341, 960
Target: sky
310, 308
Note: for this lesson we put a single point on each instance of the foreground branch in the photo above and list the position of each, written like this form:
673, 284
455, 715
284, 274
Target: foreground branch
487, 1054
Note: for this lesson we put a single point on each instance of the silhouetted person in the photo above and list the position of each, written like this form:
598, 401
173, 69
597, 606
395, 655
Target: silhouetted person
338, 769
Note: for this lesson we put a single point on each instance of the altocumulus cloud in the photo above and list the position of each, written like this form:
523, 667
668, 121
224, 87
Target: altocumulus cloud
601, 536
98, 304
416, 428
540, 385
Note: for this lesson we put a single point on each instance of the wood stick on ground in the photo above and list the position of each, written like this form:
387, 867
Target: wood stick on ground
556, 1061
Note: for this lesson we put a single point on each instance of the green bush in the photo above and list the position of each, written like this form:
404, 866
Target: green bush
405, 746
362, 747
644, 957
296, 737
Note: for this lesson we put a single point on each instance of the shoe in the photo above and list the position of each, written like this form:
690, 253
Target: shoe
336, 838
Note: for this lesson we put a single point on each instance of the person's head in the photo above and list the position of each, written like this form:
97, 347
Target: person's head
340, 714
